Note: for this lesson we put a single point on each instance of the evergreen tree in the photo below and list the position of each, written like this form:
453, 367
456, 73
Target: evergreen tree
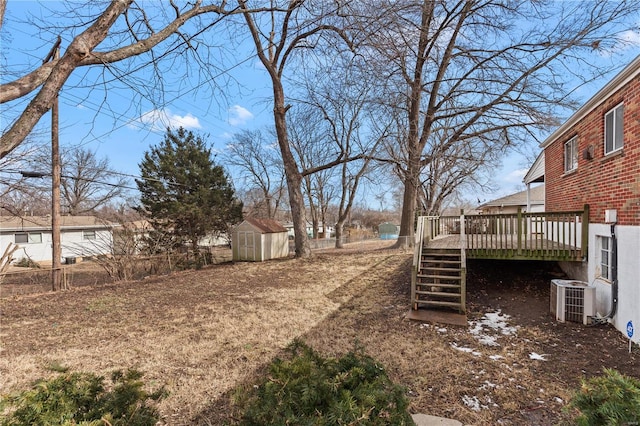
184, 194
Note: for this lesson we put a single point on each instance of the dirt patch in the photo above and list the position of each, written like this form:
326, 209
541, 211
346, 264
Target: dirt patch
203, 333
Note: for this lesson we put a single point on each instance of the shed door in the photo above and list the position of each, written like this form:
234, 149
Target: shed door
246, 245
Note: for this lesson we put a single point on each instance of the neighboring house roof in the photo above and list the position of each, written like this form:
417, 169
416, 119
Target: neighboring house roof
43, 223
536, 171
536, 195
627, 74
266, 226
455, 211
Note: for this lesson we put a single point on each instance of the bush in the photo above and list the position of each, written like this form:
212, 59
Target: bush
81, 399
310, 390
611, 399
26, 262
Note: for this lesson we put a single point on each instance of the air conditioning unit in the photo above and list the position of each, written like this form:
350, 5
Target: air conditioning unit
572, 300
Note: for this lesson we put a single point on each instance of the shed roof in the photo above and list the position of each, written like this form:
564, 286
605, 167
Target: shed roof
519, 198
266, 226
43, 223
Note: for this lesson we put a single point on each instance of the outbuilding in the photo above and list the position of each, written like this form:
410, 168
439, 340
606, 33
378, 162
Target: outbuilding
257, 240
388, 231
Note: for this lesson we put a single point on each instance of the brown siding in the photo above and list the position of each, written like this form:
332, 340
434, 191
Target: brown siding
611, 182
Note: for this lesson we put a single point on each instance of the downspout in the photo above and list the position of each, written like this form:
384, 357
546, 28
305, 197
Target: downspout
614, 273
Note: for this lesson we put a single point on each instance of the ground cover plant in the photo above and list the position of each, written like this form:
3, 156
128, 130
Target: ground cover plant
308, 389
83, 399
610, 399
204, 333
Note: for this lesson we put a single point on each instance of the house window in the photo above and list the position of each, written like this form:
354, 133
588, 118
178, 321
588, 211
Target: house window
571, 154
28, 238
613, 129
88, 235
605, 257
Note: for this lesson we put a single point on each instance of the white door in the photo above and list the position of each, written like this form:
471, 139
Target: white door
246, 245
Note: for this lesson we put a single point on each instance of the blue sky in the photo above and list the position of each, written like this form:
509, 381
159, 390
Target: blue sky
107, 123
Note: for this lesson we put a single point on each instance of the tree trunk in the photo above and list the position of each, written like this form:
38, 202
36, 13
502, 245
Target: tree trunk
407, 232
339, 233
293, 176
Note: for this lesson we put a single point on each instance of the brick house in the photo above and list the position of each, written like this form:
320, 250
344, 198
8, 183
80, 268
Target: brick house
594, 158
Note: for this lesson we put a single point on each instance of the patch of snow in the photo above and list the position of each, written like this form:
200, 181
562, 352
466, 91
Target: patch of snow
491, 322
487, 385
441, 330
467, 350
473, 403
461, 348
537, 357
496, 357
488, 340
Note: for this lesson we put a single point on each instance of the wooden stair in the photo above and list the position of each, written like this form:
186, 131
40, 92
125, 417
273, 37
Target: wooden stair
440, 280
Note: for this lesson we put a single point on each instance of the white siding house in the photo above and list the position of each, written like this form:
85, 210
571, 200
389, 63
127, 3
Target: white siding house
79, 236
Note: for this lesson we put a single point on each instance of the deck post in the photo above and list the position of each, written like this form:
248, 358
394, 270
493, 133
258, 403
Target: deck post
585, 232
463, 263
520, 228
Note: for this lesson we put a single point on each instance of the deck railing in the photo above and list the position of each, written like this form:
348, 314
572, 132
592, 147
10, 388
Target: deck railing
543, 235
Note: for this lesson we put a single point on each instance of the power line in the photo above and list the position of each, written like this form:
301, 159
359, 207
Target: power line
34, 174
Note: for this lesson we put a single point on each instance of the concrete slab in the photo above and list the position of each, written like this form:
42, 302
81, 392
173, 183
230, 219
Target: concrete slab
426, 420
441, 317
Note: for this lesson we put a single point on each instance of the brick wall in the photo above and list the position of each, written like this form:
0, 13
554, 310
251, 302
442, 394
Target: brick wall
611, 182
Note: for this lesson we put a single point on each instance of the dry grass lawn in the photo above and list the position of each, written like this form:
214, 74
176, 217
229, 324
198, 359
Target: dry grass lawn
204, 333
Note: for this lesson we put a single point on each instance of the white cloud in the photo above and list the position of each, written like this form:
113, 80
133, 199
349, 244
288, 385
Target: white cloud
239, 115
160, 119
631, 38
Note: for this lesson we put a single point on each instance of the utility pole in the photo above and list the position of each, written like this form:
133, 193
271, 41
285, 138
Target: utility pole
56, 249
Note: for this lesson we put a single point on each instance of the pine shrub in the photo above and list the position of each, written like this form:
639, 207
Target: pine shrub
307, 389
83, 399
610, 399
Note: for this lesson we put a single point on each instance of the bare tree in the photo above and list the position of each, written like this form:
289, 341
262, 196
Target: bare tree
22, 195
134, 35
343, 97
312, 148
495, 71
450, 168
277, 35
260, 167
88, 182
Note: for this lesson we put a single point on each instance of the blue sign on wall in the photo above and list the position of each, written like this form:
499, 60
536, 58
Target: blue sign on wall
630, 329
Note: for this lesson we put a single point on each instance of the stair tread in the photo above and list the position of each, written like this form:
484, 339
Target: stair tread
439, 285
449, 277
438, 303
438, 268
439, 294
440, 260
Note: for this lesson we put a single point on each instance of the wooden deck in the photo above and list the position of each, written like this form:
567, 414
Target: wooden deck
444, 243
561, 236
529, 247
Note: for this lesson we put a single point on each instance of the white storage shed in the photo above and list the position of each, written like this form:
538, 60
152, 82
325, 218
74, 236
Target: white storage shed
257, 240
